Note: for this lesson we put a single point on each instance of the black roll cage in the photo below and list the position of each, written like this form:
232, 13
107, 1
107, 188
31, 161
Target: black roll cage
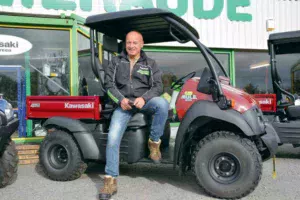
188, 34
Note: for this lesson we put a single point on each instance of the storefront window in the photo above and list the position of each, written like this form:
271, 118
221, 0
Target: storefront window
253, 73
178, 64
288, 67
8, 85
48, 59
88, 84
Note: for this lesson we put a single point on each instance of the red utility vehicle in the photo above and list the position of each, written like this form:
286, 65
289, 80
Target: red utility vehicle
222, 136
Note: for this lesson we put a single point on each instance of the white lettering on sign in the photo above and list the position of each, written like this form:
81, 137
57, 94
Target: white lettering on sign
79, 105
12, 45
265, 101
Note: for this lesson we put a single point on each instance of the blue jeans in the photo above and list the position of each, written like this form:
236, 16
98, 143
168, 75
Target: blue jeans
156, 106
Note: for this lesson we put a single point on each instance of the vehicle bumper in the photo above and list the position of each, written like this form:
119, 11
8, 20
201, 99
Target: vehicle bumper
7, 130
271, 139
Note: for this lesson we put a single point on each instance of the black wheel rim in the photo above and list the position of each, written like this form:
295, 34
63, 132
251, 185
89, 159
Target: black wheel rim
224, 168
58, 156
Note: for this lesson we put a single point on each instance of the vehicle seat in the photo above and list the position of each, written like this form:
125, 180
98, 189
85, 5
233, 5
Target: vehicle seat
138, 120
293, 112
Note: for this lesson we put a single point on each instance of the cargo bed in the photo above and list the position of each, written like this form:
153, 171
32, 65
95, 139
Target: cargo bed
75, 107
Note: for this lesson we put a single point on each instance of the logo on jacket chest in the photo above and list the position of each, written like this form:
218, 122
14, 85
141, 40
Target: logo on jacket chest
143, 70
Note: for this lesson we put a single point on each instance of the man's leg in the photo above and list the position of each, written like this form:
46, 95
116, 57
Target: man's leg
158, 107
117, 128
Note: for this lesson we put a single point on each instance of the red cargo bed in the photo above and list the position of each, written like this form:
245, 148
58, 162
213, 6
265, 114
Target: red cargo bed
267, 102
75, 107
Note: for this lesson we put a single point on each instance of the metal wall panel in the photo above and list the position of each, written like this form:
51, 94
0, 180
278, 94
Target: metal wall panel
219, 32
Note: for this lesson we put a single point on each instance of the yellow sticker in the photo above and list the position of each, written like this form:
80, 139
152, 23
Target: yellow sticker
188, 96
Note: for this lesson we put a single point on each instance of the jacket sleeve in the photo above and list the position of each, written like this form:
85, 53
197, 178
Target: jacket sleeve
156, 88
110, 82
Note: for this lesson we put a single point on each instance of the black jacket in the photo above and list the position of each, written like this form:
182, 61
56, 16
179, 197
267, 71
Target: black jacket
146, 78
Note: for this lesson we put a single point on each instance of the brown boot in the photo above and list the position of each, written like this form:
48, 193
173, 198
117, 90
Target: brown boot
155, 154
109, 188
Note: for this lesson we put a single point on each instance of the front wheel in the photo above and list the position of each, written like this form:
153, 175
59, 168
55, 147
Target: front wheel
60, 157
8, 164
226, 165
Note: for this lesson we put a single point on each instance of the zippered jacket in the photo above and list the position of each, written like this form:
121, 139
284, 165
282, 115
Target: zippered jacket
145, 79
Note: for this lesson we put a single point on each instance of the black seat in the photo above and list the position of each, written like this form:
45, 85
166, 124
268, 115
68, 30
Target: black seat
293, 112
138, 120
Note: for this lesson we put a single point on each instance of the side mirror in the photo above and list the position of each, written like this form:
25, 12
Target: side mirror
208, 85
205, 83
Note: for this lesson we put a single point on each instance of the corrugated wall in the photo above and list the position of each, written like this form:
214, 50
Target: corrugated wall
219, 32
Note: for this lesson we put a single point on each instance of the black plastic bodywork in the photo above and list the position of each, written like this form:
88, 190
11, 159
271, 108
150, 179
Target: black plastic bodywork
293, 112
288, 132
271, 139
92, 137
285, 41
249, 123
7, 130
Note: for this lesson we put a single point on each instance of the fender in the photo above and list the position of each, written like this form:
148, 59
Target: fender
210, 110
82, 134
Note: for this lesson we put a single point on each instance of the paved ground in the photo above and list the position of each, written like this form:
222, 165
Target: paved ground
150, 182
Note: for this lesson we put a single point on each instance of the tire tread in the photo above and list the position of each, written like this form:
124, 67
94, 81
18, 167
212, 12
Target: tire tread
248, 144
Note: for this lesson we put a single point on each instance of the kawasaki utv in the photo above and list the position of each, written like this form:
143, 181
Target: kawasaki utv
282, 108
8, 153
222, 136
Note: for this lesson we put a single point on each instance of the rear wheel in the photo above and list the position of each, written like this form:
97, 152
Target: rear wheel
8, 164
60, 157
226, 165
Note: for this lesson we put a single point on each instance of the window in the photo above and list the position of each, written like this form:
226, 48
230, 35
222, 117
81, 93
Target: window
288, 67
175, 65
48, 59
8, 85
88, 83
253, 73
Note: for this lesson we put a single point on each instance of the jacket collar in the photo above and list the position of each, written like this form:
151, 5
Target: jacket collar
124, 55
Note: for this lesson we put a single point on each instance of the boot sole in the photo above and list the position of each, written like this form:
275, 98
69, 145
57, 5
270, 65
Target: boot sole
156, 161
107, 198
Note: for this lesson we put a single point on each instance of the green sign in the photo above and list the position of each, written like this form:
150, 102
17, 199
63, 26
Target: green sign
182, 7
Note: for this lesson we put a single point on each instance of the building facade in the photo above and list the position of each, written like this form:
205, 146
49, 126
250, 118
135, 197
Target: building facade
236, 30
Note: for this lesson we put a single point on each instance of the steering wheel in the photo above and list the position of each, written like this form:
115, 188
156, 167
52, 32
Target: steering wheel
180, 82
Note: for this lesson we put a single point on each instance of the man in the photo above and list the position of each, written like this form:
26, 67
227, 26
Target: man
132, 79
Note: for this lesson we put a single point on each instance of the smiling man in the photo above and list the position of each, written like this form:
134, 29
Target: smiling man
134, 82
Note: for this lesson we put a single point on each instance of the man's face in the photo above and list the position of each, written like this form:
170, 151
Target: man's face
134, 43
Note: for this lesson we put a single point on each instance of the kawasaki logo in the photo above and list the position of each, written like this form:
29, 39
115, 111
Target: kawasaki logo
265, 101
79, 106
11, 45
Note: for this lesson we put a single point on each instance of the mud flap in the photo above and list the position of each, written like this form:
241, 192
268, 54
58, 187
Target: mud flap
271, 139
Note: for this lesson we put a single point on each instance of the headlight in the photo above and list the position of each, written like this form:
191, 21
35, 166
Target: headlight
9, 112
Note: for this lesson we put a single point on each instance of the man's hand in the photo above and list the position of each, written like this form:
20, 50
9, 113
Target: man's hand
139, 102
125, 104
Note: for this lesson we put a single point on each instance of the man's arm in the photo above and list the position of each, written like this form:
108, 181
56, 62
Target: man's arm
156, 83
110, 82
